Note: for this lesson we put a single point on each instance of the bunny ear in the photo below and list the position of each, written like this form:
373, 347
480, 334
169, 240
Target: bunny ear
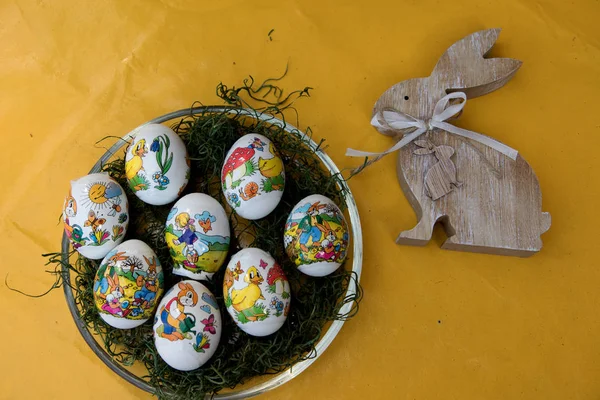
182, 285
422, 143
147, 261
464, 68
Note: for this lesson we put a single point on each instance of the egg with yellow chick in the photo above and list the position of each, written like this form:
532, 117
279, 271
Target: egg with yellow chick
256, 292
157, 167
253, 177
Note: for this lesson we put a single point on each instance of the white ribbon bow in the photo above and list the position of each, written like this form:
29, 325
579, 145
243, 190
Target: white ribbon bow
399, 121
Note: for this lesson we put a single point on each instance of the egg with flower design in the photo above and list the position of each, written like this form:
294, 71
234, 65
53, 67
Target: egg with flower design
253, 177
157, 165
95, 215
256, 292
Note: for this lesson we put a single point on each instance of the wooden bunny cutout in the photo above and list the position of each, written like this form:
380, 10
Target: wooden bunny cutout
488, 202
441, 176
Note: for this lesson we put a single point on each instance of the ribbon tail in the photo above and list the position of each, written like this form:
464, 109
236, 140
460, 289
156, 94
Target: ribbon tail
403, 142
486, 140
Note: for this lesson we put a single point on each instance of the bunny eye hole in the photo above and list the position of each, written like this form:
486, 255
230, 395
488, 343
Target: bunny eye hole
189, 295
405, 97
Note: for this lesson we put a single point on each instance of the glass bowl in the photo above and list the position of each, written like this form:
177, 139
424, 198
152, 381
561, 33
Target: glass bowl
247, 389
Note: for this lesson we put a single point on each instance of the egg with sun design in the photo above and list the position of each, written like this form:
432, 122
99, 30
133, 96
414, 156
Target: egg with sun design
95, 215
96, 193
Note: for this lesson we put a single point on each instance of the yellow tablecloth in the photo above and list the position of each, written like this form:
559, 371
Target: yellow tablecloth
433, 324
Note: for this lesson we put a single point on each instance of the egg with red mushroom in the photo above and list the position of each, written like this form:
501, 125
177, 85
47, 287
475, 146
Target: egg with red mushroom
256, 292
253, 177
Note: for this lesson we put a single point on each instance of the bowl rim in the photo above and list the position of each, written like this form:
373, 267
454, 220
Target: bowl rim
335, 326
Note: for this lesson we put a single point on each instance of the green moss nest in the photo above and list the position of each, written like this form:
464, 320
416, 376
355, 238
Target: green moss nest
315, 301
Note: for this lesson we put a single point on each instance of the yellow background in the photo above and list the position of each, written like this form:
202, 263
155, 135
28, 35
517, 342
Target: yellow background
433, 324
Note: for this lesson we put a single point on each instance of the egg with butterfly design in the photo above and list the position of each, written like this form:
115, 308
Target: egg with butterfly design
187, 326
256, 292
95, 215
197, 234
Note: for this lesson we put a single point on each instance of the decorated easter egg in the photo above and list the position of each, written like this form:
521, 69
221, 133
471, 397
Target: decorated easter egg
316, 236
256, 292
157, 165
187, 326
128, 285
197, 233
95, 215
253, 177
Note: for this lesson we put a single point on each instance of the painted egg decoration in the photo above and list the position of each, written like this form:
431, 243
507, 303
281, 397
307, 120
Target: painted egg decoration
316, 236
157, 165
187, 326
128, 285
95, 215
197, 233
256, 292
253, 177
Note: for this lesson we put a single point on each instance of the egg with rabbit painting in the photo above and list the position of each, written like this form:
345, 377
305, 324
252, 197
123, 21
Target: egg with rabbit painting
187, 326
316, 236
128, 285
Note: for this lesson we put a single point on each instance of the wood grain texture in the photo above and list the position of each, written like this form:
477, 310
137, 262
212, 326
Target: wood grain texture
441, 177
487, 202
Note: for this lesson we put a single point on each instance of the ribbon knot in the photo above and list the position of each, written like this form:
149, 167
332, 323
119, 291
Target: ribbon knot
429, 125
411, 127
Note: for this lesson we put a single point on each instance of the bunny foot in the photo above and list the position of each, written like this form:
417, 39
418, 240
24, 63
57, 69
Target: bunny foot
417, 236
